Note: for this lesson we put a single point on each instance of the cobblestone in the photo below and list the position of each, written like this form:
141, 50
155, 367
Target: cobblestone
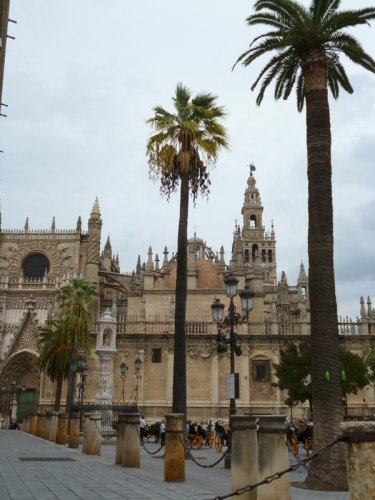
95, 478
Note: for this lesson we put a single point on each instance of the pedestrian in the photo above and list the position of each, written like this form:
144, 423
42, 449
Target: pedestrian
162, 433
142, 428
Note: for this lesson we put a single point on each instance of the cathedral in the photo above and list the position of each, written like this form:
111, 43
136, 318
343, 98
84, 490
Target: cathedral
131, 360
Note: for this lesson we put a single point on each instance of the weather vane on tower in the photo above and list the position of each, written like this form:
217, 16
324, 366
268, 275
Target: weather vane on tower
252, 168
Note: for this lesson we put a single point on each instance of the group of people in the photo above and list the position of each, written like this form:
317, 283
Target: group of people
204, 431
194, 429
299, 431
157, 430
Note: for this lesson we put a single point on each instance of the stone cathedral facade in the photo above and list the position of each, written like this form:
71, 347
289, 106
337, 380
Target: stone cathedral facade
135, 318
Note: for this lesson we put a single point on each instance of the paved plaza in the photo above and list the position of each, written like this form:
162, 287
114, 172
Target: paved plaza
32, 468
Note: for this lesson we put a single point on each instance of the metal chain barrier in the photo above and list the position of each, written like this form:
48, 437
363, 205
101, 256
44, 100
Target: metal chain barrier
278, 475
144, 447
203, 466
106, 437
306, 467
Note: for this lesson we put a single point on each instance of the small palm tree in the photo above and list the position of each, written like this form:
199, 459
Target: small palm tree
76, 303
180, 149
306, 45
54, 356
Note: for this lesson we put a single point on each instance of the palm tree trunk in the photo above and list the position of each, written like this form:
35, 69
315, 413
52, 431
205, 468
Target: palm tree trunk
59, 383
179, 364
326, 386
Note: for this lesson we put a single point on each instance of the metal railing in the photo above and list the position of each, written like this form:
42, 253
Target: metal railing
109, 414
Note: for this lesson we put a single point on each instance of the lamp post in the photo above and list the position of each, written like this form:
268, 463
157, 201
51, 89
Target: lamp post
137, 366
226, 335
82, 369
123, 370
71, 383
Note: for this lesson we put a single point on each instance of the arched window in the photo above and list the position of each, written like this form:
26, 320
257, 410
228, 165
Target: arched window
253, 221
246, 255
254, 251
35, 266
264, 256
269, 255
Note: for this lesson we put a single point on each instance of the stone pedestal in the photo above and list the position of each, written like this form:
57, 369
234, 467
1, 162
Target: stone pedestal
273, 457
131, 456
360, 453
93, 441
174, 457
74, 431
120, 438
61, 429
53, 427
40, 425
244, 456
47, 426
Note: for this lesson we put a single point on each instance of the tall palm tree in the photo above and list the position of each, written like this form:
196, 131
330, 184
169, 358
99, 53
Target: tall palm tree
306, 44
180, 149
54, 356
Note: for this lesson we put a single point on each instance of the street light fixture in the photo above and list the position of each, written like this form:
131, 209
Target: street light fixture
123, 370
71, 384
137, 366
226, 335
82, 369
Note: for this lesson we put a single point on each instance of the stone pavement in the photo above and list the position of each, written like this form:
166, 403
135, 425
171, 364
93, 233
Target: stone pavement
32, 468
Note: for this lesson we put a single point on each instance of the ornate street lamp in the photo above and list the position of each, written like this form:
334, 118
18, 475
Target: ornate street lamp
123, 370
138, 367
82, 369
226, 335
71, 385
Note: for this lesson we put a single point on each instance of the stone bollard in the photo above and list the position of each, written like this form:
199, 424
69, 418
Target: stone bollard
32, 427
174, 456
61, 429
131, 456
273, 457
40, 425
53, 427
86, 425
47, 425
244, 455
120, 438
74, 431
93, 441
25, 424
360, 452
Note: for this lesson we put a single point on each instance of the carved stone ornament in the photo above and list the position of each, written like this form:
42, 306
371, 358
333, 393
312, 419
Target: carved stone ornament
54, 250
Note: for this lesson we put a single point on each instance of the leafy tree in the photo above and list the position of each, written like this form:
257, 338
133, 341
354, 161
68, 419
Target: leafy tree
180, 149
305, 46
369, 358
293, 373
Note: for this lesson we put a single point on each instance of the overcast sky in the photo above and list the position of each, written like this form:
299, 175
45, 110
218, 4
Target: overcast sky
82, 77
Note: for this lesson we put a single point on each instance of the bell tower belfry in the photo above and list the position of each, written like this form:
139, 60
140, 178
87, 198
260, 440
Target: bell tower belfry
93, 243
259, 246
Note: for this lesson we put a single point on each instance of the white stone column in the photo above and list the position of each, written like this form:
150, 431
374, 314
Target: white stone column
106, 349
